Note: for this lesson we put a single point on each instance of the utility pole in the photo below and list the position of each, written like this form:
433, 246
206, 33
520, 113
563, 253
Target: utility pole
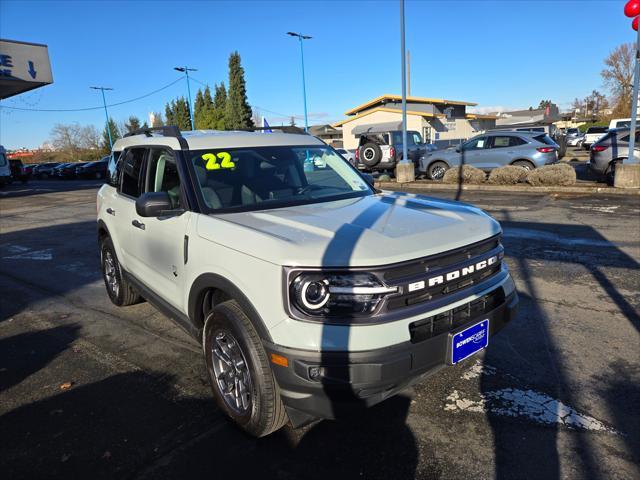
104, 102
304, 88
186, 71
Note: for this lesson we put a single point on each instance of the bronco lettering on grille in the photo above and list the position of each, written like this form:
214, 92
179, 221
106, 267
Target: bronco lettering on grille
463, 272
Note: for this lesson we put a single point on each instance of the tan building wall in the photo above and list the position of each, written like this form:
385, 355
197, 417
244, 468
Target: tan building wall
414, 122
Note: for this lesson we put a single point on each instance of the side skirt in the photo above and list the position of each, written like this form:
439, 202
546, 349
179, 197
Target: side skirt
164, 307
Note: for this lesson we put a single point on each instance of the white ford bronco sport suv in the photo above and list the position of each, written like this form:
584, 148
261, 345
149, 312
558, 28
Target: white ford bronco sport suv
311, 292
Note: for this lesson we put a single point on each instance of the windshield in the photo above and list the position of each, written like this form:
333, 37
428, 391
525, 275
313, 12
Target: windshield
255, 178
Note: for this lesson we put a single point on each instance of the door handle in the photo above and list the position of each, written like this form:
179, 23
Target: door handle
111, 211
137, 224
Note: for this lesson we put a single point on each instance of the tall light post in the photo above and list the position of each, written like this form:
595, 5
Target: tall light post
186, 71
632, 9
104, 102
405, 171
304, 88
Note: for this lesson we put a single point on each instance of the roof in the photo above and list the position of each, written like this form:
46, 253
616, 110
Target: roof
214, 139
388, 97
479, 116
386, 109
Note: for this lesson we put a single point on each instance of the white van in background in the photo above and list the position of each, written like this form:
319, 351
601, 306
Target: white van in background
5, 169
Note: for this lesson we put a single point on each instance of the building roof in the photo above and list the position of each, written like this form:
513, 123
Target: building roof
385, 109
382, 99
480, 116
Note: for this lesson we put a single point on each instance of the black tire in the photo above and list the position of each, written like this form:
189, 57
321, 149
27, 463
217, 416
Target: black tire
265, 412
524, 164
610, 174
370, 154
121, 293
436, 170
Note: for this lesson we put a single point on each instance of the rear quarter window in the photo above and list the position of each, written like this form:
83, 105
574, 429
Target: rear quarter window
597, 130
545, 139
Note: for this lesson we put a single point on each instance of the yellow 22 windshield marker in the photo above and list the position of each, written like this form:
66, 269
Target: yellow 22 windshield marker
212, 161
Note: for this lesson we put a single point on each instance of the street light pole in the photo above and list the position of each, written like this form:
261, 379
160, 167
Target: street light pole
104, 102
405, 151
186, 71
634, 104
304, 88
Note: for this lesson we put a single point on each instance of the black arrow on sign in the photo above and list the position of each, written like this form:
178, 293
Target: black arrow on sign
32, 70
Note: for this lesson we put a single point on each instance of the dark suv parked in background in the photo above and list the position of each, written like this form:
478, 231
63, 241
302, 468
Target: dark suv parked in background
18, 171
97, 169
381, 149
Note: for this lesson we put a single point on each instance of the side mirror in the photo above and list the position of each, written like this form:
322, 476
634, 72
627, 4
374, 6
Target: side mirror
369, 179
458, 149
153, 204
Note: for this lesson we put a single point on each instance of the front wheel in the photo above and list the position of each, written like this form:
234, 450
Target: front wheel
241, 378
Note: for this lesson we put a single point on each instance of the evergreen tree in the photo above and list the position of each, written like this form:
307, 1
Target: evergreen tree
132, 124
168, 113
115, 135
199, 111
203, 110
237, 110
219, 107
181, 113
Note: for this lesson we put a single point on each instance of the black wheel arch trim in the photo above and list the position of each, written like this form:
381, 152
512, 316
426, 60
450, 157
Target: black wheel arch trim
212, 280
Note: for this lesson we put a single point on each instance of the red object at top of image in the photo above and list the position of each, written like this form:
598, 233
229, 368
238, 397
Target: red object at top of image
632, 8
634, 24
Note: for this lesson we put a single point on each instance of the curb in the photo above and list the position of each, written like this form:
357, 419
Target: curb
508, 188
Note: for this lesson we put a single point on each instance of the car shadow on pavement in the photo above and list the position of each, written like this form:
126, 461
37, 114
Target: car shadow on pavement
48, 261
137, 425
23, 354
534, 452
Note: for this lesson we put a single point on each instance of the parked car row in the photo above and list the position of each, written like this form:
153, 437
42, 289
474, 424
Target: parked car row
96, 169
610, 149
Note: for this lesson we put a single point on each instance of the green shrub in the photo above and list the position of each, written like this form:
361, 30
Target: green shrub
509, 175
552, 175
470, 175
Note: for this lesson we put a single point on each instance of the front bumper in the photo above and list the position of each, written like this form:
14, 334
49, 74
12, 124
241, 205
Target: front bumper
332, 384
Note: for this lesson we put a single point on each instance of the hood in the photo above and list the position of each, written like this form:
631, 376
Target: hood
369, 231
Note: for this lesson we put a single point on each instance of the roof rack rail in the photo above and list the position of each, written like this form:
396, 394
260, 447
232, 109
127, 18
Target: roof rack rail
166, 131
282, 128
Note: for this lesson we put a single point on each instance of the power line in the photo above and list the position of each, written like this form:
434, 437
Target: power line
287, 115
93, 108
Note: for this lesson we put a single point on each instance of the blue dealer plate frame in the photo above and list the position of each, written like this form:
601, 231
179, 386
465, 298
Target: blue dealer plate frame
469, 341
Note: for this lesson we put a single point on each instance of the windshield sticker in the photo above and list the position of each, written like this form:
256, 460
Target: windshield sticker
216, 161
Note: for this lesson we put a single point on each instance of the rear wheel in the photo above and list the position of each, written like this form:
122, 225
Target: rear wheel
120, 291
610, 174
526, 164
436, 170
241, 377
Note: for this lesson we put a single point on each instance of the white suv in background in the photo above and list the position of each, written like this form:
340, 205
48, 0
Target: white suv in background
311, 293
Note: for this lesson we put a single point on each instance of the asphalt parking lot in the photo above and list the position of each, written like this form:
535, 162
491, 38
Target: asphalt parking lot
88, 390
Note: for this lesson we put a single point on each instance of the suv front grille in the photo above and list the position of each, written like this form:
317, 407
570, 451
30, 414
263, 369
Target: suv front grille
461, 265
456, 317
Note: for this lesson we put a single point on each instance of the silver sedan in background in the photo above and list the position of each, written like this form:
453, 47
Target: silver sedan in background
491, 150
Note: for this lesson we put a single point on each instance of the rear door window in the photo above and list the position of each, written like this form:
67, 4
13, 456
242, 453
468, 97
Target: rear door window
131, 169
545, 139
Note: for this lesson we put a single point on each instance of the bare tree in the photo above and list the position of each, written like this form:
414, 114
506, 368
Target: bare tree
75, 142
618, 77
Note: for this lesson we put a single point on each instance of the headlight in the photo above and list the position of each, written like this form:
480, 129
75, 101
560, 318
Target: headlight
319, 294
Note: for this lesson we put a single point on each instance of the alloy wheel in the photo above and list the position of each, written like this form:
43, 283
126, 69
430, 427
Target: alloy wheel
110, 273
231, 372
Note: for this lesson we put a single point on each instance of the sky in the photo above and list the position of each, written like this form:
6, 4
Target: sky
499, 54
